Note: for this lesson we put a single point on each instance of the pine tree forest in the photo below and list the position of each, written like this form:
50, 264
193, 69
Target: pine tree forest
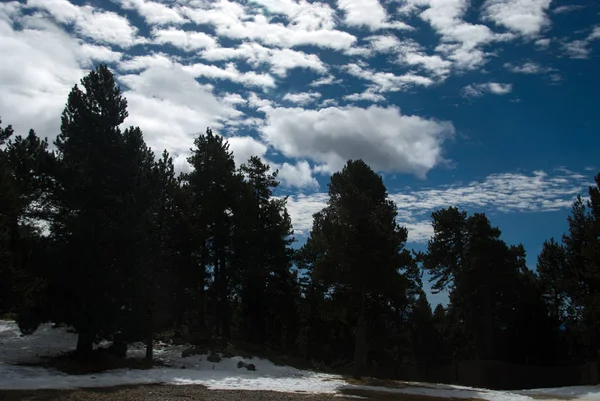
100, 234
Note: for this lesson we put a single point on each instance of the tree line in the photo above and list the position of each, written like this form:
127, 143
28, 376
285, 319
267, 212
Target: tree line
101, 234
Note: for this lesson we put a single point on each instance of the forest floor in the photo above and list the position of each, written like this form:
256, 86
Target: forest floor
38, 367
199, 393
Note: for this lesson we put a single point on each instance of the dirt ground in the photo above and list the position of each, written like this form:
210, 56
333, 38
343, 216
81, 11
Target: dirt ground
197, 393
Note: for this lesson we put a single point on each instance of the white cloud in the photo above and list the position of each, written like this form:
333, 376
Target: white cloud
297, 175
555, 79
461, 41
328, 102
138, 63
409, 53
476, 90
235, 21
567, 9
10, 10
383, 137
499, 89
302, 14
376, 44
528, 67
579, 49
172, 108
244, 147
543, 43
234, 98
251, 52
366, 95
384, 43
286, 59
258, 103
102, 26
155, 13
329, 80
231, 73
525, 17
368, 13
434, 64
504, 193
517, 192
301, 208
387, 81
40, 64
100, 53
281, 60
302, 98
185, 40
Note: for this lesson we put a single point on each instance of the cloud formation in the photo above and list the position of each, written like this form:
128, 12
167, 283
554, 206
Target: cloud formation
495, 88
383, 137
304, 84
533, 192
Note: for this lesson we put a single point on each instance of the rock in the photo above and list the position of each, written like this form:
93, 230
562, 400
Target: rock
183, 367
241, 364
251, 367
214, 358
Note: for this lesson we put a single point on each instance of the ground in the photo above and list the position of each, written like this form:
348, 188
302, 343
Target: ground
200, 393
32, 368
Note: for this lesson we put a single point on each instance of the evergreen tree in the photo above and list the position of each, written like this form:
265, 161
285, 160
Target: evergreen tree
26, 163
582, 281
9, 213
89, 200
467, 256
212, 189
423, 331
551, 265
263, 233
363, 246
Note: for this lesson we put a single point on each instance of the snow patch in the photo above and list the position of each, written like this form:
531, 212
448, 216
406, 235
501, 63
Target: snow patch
47, 341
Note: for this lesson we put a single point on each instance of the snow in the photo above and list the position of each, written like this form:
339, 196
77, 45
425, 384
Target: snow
16, 350
46, 341
591, 393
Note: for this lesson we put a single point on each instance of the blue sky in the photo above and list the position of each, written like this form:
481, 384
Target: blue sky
487, 105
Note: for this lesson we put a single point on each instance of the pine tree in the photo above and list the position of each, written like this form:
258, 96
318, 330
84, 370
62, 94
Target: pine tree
363, 246
9, 214
467, 256
263, 233
26, 163
551, 265
212, 189
582, 280
89, 203
423, 334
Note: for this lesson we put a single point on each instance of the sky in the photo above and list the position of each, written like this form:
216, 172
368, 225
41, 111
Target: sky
487, 105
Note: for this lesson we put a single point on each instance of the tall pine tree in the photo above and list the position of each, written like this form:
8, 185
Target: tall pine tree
89, 201
363, 247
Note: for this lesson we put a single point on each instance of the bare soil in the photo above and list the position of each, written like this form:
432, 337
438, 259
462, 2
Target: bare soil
198, 393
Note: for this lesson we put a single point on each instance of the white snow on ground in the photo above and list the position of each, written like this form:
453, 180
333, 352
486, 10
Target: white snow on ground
591, 393
47, 341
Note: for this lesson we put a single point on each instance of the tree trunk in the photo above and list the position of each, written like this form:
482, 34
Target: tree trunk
201, 292
85, 344
150, 338
360, 342
216, 319
224, 304
150, 347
